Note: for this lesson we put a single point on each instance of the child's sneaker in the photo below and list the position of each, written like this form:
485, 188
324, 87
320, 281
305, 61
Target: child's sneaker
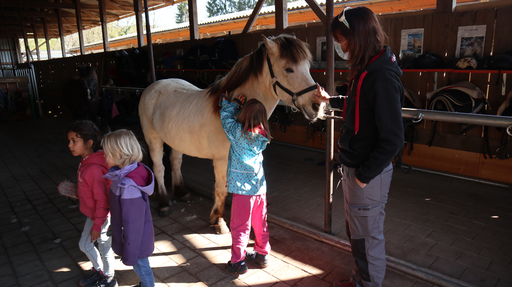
238, 268
91, 279
106, 282
261, 260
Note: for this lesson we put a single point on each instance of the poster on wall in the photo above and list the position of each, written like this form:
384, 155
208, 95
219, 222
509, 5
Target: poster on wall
321, 48
411, 42
470, 41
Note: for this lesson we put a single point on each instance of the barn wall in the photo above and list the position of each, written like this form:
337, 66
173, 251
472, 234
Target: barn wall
440, 36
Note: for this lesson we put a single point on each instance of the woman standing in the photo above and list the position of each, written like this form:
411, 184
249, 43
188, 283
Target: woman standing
371, 136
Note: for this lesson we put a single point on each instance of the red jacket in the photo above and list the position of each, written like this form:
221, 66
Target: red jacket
93, 189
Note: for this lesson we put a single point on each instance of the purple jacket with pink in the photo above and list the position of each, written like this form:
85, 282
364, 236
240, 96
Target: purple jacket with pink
133, 236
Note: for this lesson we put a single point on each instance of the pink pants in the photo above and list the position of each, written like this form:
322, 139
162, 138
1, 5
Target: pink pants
247, 210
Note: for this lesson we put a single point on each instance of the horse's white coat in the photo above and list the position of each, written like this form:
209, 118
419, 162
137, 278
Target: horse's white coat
177, 113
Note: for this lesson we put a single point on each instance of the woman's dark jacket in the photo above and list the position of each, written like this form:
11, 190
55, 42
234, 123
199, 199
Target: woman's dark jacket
370, 143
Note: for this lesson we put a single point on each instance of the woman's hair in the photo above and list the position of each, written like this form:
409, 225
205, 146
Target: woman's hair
365, 37
87, 130
252, 114
122, 146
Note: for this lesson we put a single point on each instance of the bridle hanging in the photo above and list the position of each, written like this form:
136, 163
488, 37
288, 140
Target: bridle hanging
275, 82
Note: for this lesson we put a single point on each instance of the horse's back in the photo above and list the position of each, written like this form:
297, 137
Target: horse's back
182, 116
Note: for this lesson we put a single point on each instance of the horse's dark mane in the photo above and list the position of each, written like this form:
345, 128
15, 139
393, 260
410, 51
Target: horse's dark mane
86, 72
251, 66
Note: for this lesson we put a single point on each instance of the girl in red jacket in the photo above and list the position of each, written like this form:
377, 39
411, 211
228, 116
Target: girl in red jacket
84, 141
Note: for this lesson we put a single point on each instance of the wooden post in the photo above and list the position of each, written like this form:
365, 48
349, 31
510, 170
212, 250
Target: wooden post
27, 48
36, 42
329, 151
48, 49
78, 13
192, 18
61, 33
281, 14
137, 7
103, 19
444, 6
150, 44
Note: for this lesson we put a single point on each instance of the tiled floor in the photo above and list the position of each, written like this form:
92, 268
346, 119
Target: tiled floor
438, 228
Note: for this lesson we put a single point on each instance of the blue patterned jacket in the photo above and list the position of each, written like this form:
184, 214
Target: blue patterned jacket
245, 163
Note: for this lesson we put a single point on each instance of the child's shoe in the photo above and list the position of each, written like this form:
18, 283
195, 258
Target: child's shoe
238, 268
106, 281
91, 279
261, 260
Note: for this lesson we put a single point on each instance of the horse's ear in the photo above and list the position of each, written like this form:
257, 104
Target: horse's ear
270, 44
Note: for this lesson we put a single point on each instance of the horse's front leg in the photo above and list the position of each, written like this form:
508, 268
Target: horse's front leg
220, 167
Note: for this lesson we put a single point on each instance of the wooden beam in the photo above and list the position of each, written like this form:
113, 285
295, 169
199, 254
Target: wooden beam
192, 18
137, 7
253, 17
61, 34
48, 50
446, 6
27, 49
79, 27
320, 13
103, 18
281, 14
36, 42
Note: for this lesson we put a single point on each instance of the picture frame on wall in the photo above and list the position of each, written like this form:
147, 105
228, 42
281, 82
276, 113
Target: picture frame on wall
470, 41
321, 48
411, 42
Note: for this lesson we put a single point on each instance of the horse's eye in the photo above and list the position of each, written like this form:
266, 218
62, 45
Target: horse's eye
289, 70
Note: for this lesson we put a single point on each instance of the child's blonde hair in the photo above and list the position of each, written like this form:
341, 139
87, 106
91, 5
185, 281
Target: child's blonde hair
122, 146
252, 114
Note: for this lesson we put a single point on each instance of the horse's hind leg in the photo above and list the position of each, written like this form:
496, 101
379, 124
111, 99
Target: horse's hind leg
220, 167
156, 150
178, 185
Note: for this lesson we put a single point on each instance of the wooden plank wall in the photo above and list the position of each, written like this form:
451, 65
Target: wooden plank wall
440, 37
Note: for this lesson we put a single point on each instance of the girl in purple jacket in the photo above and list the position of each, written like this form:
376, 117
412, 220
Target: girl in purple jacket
133, 237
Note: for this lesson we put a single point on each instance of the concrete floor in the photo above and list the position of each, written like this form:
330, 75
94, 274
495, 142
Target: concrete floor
439, 230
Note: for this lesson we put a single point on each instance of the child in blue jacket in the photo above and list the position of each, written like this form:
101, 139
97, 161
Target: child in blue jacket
132, 184
248, 132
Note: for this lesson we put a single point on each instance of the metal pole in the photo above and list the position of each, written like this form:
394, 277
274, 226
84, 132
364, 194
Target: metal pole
329, 155
454, 117
150, 45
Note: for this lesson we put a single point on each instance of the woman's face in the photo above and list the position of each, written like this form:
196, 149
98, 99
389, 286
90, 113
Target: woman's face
343, 42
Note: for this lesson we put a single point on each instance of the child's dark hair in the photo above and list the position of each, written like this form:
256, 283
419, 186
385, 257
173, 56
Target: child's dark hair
87, 130
252, 114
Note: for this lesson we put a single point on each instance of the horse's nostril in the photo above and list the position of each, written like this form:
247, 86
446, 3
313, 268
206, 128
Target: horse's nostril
315, 107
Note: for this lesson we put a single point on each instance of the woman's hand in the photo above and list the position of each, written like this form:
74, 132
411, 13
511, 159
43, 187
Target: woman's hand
321, 94
362, 185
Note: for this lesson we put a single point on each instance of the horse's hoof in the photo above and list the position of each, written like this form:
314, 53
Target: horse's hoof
221, 227
186, 198
164, 212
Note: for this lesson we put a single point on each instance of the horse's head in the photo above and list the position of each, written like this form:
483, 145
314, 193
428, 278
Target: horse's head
279, 69
288, 60
89, 83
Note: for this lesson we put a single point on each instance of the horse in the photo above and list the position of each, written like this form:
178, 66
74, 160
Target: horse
81, 95
187, 118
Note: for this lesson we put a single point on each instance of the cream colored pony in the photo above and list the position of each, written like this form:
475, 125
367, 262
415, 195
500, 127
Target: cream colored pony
187, 118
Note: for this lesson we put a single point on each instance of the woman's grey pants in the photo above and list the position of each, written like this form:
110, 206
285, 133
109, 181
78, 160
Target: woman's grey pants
364, 211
